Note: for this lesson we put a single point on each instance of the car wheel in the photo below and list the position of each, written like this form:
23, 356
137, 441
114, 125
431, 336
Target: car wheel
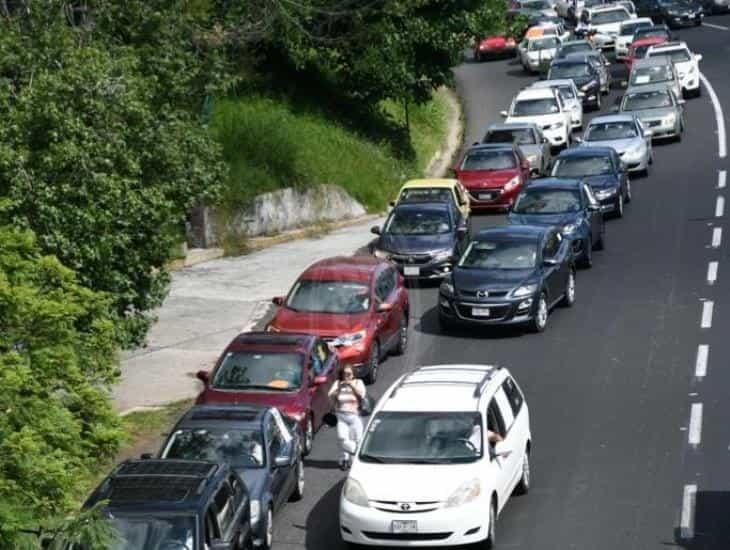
373, 363
402, 345
491, 539
268, 538
587, 259
619, 212
539, 321
308, 437
523, 486
569, 296
298, 492
627, 198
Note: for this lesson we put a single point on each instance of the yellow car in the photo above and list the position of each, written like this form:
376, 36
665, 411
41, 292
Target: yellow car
437, 190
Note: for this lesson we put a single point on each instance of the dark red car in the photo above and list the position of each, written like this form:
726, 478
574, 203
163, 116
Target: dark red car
494, 46
638, 48
493, 174
292, 372
358, 304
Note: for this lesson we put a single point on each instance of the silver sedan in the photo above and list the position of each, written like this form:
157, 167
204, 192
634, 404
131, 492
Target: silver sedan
626, 135
528, 137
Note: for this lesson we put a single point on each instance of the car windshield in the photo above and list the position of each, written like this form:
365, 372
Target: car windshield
608, 17
499, 255
423, 438
489, 160
677, 56
521, 136
575, 48
577, 167
547, 201
546, 43
151, 532
536, 5
570, 70
427, 194
329, 297
239, 448
535, 107
650, 75
651, 33
418, 222
628, 29
256, 369
604, 131
647, 100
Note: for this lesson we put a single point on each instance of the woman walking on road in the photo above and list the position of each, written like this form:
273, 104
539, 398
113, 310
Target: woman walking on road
347, 394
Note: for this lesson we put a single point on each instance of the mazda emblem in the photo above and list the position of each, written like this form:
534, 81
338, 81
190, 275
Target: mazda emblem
405, 506
482, 293
411, 259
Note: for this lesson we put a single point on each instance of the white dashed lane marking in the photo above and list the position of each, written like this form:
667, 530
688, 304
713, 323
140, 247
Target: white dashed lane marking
721, 179
712, 272
686, 522
695, 424
707, 307
716, 237
720, 206
703, 354
718, 27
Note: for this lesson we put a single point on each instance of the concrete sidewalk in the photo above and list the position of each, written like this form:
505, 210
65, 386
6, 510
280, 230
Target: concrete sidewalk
208, 305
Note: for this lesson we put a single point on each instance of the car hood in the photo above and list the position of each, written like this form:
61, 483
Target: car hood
543, 219
325, 325
286, 401
540, 120
416, 244
494, 42
404, 482
601, 182
255, 479
618, 145
486, 178
531, 149
651, 114
490, 279
583, 80
545, 53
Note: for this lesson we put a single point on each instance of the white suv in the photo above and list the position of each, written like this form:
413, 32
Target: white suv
606, 21
425, 473
546, 108
685, 62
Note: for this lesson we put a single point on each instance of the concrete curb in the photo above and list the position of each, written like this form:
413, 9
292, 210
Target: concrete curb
443, 159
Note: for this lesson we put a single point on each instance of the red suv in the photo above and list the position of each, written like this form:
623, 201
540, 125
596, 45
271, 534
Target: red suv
292, 372
638, 48
358, 304
493, 174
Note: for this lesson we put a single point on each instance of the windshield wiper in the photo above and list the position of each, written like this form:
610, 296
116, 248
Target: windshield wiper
372, 458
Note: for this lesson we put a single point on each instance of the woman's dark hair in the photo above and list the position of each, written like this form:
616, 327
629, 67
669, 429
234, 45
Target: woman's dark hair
341, 374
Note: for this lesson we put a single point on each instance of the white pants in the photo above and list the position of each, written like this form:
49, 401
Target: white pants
349, 432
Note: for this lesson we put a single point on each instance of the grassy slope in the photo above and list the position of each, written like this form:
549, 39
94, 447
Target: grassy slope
270, 144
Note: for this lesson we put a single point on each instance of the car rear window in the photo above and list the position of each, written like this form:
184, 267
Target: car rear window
522, 136
489, 160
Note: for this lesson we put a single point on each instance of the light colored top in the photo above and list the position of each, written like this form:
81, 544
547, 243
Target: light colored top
346, 395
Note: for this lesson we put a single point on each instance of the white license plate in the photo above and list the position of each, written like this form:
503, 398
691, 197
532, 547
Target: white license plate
480, 311
404, 526
485, 196
410, 271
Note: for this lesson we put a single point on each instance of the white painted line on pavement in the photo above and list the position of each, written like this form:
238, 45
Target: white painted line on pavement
703, 353
707, 307
721, 179
687, 520
713, 26
719, 118
720, 206
712, 272
695, 424
716, 237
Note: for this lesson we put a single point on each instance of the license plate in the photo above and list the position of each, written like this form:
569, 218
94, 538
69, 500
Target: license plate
411, 271
485, 196
404, 526
480, 311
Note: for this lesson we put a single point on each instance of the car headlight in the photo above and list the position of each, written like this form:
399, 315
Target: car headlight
465, 493
347, 340
381, 254
447, 287
255, 511
354, 493
524, 290
605, 193
555, 126
591, 84
692, 70
568, 229
511, 184
670, 119
443, 255
636, 150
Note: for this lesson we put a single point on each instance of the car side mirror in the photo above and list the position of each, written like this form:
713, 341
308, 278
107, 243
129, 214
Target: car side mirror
278, 300
203, 376
375, 230
384, 307
698, 57
503, 114
648, 133
549, 262
218, 544
319, 380
681, 102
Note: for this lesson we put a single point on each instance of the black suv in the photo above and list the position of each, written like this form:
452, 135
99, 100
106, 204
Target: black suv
180, 504
585, 76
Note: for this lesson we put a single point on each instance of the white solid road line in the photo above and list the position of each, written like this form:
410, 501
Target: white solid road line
686, 522
720, 206
695, 424
707, 307
721, 179
719, 118
713, 26
703, 354
716, 237
712, 272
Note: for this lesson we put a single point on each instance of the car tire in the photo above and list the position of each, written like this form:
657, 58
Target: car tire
586, 261
268, 537
373, 363
308, 436
523, 486
619, 212
402, 344
628, 197
491, 540
539, 321
569, 295
601, 243
298, 492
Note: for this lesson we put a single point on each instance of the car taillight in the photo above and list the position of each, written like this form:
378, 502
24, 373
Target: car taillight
510, 42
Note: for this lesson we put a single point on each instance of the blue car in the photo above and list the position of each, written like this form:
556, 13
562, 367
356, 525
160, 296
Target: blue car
568, 204
603, 170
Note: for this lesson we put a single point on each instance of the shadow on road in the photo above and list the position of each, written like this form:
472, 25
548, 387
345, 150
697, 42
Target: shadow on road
429, 324
323, 522
712, 522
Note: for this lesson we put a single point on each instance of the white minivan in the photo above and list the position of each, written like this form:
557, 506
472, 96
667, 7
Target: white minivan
443, 452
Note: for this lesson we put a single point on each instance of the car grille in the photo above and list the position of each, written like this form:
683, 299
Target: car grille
654, 123
407, 536
495, 312
487, 195
412, 507
492, 294
411, 258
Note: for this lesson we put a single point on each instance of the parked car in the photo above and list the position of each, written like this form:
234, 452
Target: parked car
680, 13
436, 190
538, 53
626, 35
510, 275
358, 304
160, 504
602, 66
573, 46
257, 443
685, 63
572, 97
624, 134
639, 47
568, 204
658, 108
494, 46
605, 21
602, 169
425, 472
292, 372
655, 70
587, 79
545, 108
529, 139
434, 230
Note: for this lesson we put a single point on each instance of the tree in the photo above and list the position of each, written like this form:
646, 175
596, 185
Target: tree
57, 359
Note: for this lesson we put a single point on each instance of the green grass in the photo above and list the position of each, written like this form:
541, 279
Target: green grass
271, 143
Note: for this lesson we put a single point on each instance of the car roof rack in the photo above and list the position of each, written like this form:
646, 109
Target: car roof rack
480, 385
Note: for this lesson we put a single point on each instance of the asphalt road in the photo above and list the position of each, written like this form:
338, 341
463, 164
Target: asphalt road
612, 383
